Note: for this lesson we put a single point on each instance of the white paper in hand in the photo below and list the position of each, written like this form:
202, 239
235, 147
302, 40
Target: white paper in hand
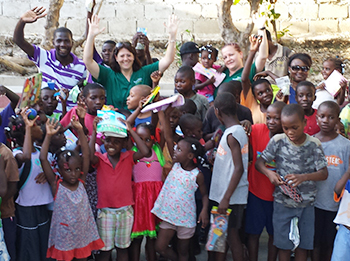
283, 83
332, 84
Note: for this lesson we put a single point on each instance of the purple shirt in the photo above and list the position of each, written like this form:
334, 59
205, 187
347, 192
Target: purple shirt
5, 116
64, 76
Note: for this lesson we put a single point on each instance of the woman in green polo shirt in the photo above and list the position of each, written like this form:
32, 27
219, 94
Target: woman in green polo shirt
126, 70
233, 56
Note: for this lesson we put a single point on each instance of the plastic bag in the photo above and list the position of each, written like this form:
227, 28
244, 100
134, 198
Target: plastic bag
218, 231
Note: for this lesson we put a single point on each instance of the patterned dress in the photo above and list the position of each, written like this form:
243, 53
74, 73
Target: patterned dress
176, 202
73, 232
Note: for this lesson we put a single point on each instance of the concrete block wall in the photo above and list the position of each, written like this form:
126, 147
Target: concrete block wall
122, 17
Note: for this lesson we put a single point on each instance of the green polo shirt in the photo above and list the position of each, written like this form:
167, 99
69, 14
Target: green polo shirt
236, 76
118, 87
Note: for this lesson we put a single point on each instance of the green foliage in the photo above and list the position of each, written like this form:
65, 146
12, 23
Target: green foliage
285, 31
272, 18
185, 33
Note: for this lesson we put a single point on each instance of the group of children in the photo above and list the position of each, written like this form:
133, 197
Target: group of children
285, 172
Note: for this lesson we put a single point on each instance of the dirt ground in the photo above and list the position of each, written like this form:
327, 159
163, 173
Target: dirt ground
319, 50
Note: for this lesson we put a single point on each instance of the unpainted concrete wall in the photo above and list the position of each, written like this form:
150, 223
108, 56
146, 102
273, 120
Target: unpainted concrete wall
122, 17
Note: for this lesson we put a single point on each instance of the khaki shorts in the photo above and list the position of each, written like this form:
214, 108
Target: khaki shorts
114, 226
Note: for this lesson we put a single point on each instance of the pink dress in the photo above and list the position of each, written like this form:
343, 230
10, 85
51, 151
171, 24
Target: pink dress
207, 91
147, 175
73, 232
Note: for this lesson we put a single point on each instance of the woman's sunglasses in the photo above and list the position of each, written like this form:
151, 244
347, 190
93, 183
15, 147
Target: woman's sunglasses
300, 68
122, 44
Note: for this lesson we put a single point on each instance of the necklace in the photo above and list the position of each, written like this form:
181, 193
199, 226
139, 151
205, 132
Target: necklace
148, 163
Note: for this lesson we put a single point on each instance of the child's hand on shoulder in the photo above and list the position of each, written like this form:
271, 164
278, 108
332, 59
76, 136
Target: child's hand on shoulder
76, 123
247, 126
52, 126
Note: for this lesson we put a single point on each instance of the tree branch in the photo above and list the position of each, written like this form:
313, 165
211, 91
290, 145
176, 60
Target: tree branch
52, 18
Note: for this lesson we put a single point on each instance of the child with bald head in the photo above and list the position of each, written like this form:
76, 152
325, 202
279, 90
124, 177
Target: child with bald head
137, 93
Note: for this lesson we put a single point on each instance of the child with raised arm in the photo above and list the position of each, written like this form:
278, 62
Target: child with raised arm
73, 232
147, 177
33, 222
337, 151
300, 162
115, 197
93, 99
258, 95
229, 184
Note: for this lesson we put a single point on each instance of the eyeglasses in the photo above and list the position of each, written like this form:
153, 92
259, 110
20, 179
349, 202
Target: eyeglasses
300, 68
122, 44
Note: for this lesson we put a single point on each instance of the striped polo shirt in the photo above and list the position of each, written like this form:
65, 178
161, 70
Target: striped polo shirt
64, 76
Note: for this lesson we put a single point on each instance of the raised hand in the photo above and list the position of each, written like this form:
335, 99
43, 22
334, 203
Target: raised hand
255, 42
75, 123
94, 123
52, 126
81, 109
172, 25
156, 76
127, 124
66, 93
28, 122
94, 26
33, 15
259, 21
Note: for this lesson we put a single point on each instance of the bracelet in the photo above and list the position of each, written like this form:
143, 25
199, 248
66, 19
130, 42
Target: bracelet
172, 41
263, 28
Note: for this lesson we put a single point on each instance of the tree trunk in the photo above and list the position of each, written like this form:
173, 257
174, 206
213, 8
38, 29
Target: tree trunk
13, 66
82, 38
52, 18
229, 32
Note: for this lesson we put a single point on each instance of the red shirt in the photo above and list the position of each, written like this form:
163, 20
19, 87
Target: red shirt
114, 185
311, 127
88, 120
259, 184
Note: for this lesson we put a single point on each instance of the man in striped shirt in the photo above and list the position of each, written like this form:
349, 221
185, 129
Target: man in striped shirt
58, 64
